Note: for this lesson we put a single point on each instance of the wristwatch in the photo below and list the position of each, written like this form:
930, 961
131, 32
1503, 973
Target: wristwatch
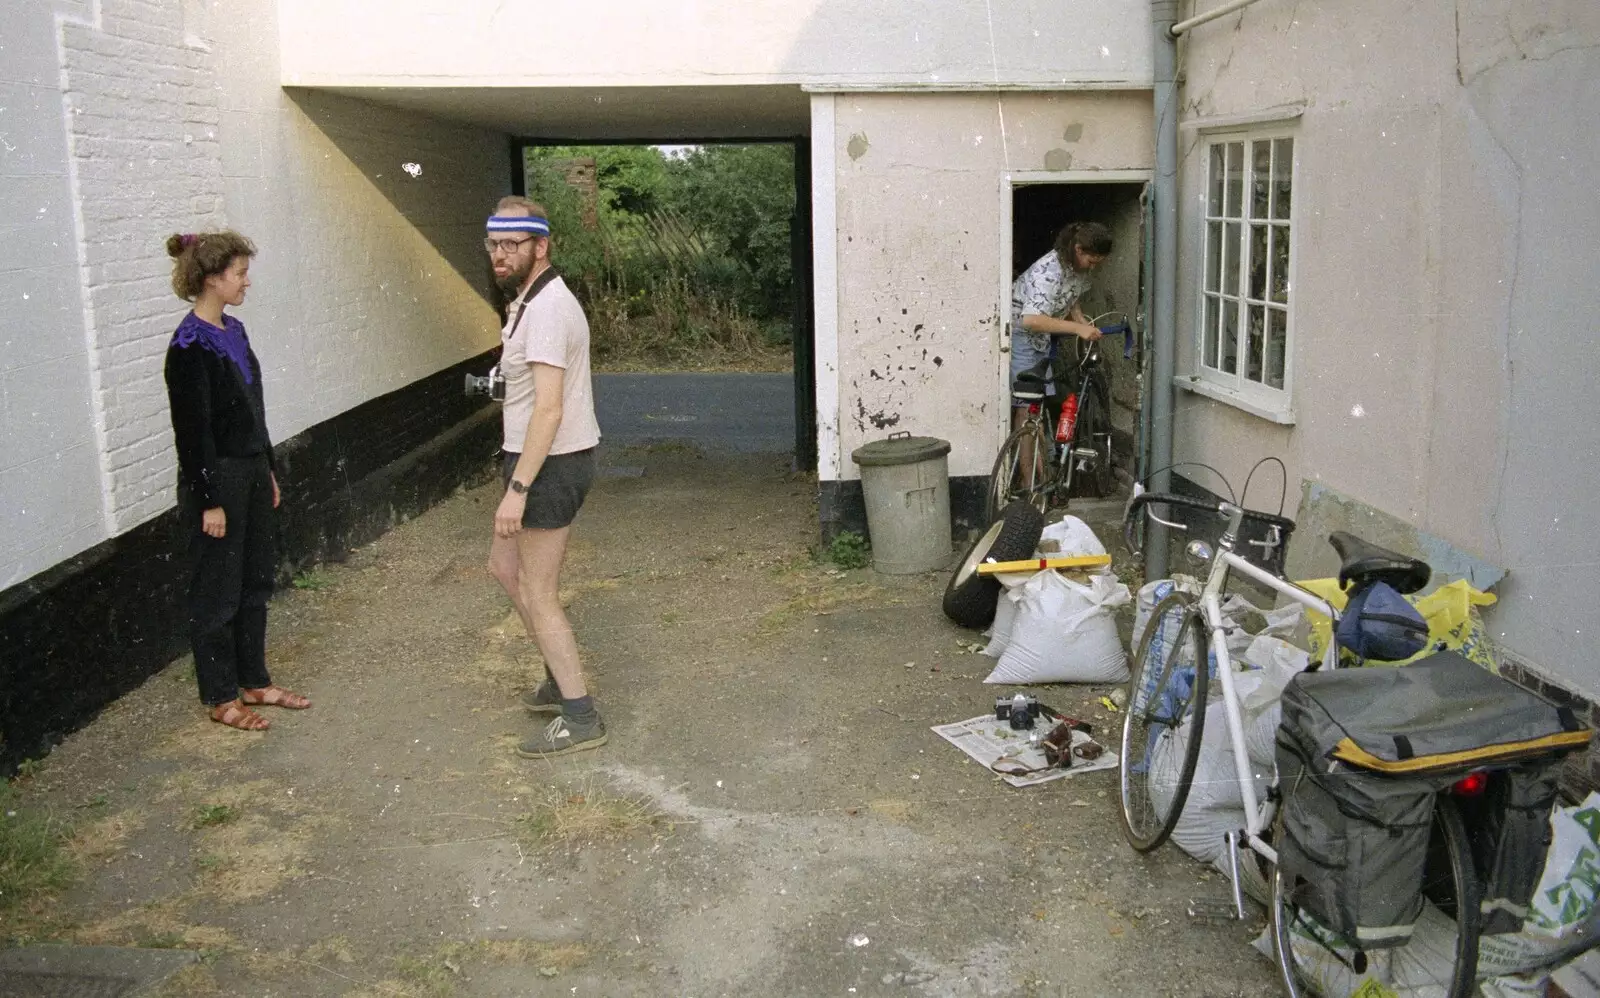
519, 488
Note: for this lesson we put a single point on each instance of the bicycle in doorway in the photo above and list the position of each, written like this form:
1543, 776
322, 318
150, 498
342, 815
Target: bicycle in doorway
1046, 461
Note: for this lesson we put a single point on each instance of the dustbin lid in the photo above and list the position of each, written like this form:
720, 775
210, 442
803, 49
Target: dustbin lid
899, 450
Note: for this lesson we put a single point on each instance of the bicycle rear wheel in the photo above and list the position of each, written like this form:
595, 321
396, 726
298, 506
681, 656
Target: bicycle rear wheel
1440, 959
1020, 472
1163, 721
1093, 433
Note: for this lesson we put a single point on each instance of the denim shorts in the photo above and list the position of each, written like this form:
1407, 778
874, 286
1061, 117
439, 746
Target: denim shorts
557, 491
1026, 353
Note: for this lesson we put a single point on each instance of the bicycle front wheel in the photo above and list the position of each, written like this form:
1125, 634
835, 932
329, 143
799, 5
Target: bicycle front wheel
1020, 471
1441, 957
1163, 721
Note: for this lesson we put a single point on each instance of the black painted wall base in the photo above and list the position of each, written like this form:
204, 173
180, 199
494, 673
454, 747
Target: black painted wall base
81, 634
842, 507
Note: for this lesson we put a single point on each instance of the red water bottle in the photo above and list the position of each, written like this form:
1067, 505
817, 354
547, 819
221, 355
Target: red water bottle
1069, 419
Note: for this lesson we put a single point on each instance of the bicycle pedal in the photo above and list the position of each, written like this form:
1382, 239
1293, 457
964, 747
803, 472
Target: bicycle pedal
1212, 910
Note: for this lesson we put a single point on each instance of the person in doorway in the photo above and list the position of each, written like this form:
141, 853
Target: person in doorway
550, 435
227, 485
1044, 299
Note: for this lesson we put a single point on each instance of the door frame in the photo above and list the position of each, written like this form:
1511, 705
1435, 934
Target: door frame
1009, 181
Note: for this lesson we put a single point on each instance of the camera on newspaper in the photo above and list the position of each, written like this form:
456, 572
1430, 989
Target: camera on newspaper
1020, 711
492, 384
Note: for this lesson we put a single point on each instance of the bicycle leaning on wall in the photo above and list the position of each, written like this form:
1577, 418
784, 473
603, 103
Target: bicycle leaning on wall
1044, 459
1405, 808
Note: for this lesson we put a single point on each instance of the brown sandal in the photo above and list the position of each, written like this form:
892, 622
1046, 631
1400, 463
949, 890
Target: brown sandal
273, 696
235, 714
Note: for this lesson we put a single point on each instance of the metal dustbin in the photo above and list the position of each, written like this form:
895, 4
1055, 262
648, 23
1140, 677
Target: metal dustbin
906, 483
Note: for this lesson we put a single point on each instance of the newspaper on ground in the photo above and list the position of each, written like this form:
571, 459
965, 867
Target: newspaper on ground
989, 740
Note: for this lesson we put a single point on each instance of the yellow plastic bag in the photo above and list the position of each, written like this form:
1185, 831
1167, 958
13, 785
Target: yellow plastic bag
1451, 612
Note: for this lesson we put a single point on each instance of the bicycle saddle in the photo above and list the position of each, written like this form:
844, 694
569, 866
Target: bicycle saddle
1030, 384
1361, 562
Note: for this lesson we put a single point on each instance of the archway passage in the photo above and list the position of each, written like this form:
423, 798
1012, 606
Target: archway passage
692, 262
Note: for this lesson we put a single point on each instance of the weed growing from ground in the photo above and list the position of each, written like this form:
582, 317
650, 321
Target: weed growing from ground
32, 859
580, 816
849, 550
312, 580
207, 815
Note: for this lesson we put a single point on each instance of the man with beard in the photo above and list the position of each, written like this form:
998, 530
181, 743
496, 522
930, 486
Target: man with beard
548, 465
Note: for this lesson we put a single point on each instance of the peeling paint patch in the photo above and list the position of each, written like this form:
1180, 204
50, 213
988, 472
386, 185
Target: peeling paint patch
883, 420
857, 146
1073, 132
938, 362
1058, 159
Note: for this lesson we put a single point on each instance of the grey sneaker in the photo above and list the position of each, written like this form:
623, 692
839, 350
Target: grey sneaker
543, 699
563, 735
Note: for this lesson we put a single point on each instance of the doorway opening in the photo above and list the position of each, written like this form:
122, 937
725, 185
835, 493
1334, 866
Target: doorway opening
1037, 206
693, 265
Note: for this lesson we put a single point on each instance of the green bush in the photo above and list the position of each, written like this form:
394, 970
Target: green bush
696, 250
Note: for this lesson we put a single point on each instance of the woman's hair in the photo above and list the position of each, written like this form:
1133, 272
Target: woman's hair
198, 255
533, 208
1091, 237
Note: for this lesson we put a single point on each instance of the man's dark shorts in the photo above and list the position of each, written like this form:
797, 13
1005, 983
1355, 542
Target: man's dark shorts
558, 490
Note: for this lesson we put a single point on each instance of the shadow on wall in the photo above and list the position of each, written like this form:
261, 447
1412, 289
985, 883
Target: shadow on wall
381, 143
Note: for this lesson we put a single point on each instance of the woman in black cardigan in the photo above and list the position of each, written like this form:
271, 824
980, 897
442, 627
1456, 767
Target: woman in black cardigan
227, 490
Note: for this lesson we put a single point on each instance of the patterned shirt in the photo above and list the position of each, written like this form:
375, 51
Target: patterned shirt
1044, 289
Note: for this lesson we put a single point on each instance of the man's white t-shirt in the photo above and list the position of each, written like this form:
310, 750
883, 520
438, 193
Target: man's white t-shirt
554, 331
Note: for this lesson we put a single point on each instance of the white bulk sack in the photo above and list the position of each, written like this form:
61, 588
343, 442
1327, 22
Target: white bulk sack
1069, 537
1215, 806
1064, 632
1274, 662
1005, 616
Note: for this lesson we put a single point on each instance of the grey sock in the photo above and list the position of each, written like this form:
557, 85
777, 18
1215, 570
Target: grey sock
579, 709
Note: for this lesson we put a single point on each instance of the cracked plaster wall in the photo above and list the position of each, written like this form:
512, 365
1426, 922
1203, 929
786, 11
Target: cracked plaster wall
1446, 281
919, 256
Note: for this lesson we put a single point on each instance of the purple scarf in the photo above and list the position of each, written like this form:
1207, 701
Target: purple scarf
229, 341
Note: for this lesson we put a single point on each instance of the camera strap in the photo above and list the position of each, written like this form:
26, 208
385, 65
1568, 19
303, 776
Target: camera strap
538, 285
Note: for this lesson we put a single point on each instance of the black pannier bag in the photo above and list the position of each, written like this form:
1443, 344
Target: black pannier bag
1361, 754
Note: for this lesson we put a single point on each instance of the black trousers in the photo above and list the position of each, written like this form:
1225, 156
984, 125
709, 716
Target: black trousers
231, 581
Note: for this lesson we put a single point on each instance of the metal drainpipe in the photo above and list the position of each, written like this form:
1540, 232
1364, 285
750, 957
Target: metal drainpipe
1164, 220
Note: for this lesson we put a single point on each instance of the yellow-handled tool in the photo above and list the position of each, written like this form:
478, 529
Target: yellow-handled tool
1039, 564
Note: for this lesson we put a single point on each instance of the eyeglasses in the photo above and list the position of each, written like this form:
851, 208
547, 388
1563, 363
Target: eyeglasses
507, 246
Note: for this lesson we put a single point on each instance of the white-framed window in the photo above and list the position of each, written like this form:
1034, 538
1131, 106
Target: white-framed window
1245, 320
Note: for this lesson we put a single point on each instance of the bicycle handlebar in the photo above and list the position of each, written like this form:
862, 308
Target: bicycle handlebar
1125, 330
1139, 503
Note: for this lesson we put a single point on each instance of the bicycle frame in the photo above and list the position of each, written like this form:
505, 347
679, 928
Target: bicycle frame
1258, 814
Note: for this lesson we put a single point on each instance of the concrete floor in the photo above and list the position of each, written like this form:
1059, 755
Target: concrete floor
804, 832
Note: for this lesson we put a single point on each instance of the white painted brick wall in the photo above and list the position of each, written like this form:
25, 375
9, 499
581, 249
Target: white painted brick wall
143, 116
140, 118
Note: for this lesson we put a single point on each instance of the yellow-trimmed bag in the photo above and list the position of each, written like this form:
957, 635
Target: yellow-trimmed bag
1451, 611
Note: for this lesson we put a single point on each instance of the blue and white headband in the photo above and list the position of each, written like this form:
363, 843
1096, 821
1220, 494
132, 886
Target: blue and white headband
519, 223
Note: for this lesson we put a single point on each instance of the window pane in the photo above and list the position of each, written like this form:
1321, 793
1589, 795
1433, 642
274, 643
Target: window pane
1209, 357
1213, 256
1282, 174
1217, 171
1258, 262
1280, 264
1230, 258
1253, 342
1277, 345
1230, 337
1235, 181
1260, 178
